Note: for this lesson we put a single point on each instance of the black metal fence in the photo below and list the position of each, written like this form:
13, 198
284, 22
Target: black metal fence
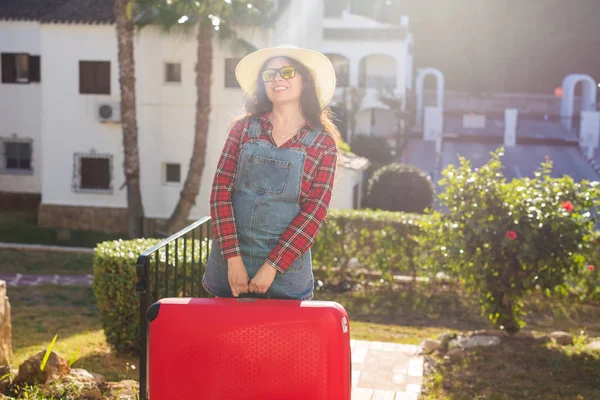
172, 268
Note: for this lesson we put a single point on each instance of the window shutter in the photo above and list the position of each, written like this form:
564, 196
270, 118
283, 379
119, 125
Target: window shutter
102, 77
85, 77
9, 68
35, 72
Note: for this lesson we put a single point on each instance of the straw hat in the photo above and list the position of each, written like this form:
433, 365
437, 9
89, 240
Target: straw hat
321, 67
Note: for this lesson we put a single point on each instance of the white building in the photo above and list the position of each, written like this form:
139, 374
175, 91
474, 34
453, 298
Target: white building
373, 56
59, 104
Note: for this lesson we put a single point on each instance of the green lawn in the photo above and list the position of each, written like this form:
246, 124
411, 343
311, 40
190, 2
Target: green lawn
44, 262
518, 370
38, 313
402, 316
21, 227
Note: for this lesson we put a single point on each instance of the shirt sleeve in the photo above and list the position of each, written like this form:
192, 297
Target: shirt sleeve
221, 206
302, 231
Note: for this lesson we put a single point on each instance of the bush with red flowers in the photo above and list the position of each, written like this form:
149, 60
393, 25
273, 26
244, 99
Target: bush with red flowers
503, 239
586, 281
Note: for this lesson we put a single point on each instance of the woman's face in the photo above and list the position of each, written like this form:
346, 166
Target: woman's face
280, 90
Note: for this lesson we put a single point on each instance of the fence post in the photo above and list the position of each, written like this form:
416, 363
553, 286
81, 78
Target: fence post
142, 288
510, 127
589, 131
434, 123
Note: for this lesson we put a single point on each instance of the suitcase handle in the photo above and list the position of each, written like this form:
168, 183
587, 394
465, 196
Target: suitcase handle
253, 296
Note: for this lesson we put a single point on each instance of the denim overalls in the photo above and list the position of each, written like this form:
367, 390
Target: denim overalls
265, 201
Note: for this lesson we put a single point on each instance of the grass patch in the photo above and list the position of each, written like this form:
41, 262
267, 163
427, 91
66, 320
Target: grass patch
44, 262
518, 369
426, 307
21, 227
38, 313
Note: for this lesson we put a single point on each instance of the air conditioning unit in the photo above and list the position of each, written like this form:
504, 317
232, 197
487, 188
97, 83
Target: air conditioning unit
109, 112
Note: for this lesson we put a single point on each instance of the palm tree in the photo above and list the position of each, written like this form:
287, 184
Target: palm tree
210, 19
131, 162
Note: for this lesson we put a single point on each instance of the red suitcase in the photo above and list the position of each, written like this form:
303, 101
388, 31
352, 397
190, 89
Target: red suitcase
248, 349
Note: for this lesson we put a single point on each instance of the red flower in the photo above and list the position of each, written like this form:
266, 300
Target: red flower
547, 158
512, 235
568, 206
591, 268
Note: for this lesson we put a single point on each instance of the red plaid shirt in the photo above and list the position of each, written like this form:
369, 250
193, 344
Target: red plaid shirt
317, 184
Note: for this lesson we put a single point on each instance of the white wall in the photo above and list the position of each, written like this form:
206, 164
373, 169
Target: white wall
379, 66
166, 119
356, 51
166, 116
166, 111
384, 124
363, 122
343, 189
300, 25
69, 122
20, 105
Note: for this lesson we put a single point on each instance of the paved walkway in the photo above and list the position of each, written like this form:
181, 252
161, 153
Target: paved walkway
45, 247
37, 280
386, 371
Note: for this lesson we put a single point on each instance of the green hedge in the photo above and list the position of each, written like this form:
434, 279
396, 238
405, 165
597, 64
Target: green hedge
115, 280
381, 241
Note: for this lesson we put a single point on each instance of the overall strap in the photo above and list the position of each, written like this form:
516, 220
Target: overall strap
254, 129
309, 139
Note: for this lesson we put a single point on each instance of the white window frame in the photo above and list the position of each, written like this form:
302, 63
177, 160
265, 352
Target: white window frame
16, 171
76, 184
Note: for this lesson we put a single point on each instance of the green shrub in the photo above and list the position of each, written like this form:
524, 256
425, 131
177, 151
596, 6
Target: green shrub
343, 146
381, 241
400, 187
585, 282
504, 239
367, 174
115, 282
374, 148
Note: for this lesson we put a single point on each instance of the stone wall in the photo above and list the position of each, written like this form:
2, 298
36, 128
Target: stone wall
104, 219
19, 201
5, 327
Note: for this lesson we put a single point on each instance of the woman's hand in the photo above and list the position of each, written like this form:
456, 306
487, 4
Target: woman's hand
263, 279
237, 276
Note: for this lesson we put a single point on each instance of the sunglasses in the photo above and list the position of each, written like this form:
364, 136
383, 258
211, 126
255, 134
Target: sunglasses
285, 72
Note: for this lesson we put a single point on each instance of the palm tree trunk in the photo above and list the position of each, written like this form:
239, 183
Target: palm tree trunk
131, 160
191, 187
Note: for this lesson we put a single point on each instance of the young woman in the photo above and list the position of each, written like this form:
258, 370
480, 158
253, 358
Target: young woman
274, 179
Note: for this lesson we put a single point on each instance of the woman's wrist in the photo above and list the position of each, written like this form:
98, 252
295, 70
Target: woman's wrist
235, 260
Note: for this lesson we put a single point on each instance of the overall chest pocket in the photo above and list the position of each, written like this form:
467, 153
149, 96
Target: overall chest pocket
266, 175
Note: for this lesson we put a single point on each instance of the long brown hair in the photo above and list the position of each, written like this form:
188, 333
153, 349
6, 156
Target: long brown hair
258, 103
